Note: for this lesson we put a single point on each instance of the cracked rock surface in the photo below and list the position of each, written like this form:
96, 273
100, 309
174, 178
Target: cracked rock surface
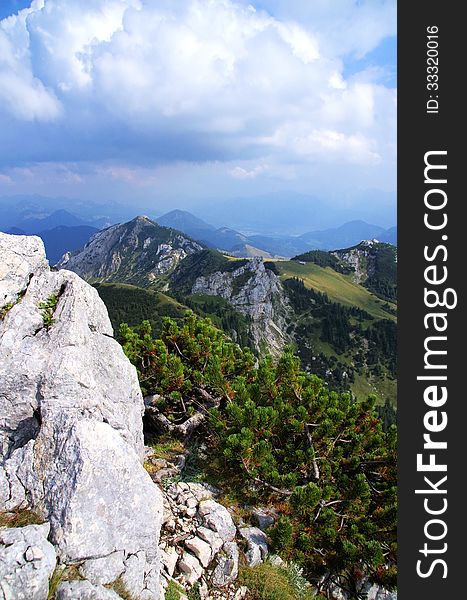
27, 561
71, 433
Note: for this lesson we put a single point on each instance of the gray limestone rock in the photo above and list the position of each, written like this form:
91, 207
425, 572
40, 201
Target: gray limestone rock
211, 537
27, 561
265, 517
257, 545
217, 517
22, 256
226, 569
101, 571
200, 549
257, 293
83, 590
191, 568
71, 434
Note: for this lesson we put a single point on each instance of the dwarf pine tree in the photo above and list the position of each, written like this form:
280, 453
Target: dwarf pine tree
321, 458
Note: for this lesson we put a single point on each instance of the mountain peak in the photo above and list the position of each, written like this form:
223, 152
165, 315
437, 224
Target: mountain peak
138, 251
184, 221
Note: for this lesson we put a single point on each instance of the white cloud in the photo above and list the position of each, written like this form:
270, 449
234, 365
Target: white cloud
241, 173
196, 80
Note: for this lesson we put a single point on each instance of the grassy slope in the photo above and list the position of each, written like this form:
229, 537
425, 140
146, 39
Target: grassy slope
340, 288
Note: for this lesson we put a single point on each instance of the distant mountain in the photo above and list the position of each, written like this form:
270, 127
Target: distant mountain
222, 238
230, 240
389, 236
15, 231
15, 209
59, 218
63, 239
349, 234
292, 213
139, 252
185, 222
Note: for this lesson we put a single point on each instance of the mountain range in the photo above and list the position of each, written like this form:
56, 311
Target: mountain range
63, 231
337, 308
228, 239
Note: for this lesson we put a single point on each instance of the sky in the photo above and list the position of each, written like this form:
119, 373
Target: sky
167, 103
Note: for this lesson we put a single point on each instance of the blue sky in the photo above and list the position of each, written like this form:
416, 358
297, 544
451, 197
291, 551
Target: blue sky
171, 102
11, 7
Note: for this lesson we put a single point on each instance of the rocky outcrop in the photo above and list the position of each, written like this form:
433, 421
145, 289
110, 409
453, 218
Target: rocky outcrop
27, 561
71, 437
136, 252
255, 291
361, 259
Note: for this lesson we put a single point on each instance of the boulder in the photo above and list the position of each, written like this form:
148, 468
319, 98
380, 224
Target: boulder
217, 517
257, 545
226, 570
169, 558
27, 561
71, 432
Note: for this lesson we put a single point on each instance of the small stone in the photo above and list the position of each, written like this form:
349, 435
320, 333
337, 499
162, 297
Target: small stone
192, 502
169, 559
190, 567
200, 549
33, 553
276, 561
266, 518
211, 537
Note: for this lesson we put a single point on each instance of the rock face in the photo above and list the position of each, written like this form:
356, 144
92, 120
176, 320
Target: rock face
135, 252
27, 561
71, 438
254, 291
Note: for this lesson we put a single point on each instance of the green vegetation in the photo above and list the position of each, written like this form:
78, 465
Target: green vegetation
279, 436
344, 345
324, 259
47, 309
269, 582
131, 304
5, 310
383, 280
338, 287
174, 591
186, 357
19, 518
62, 573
